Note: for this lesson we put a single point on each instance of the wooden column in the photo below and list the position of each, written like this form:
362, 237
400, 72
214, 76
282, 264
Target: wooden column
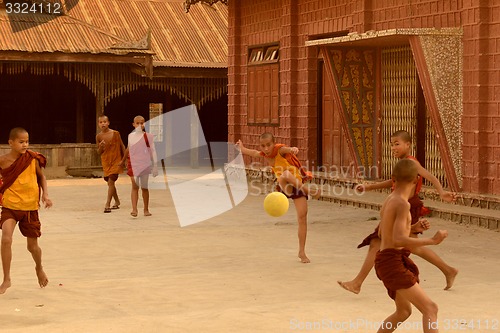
99, 99
195, 129
80, 128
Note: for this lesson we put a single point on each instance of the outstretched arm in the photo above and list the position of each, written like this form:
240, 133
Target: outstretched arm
246, 151
401, 236
289, 150
445, 195
376, 186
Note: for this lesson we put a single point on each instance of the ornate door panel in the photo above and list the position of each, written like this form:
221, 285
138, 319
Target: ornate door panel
335, 153
403, 108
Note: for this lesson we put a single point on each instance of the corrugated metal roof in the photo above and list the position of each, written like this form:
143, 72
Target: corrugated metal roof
196, 39
34, 33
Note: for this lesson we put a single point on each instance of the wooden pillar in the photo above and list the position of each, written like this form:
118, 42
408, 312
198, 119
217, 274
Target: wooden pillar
168, 139
79, 115
99, 110
195, 130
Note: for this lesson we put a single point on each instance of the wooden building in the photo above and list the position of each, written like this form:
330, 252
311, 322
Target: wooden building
59, 71
337, 77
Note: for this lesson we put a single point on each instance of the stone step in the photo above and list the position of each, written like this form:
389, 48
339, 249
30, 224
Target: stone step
480, 210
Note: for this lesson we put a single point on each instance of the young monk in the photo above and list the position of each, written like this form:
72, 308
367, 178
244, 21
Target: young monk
141, 157
392, 263
111, 149
23, 181
401, 147
290, 176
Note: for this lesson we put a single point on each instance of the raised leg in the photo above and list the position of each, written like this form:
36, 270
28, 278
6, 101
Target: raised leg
354, 285
449, 272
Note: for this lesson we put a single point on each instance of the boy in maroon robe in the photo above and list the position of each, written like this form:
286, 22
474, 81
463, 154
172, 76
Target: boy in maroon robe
23, 184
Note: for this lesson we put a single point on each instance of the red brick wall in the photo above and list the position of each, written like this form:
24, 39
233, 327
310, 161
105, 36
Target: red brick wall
292, 22
481, 120
252, 23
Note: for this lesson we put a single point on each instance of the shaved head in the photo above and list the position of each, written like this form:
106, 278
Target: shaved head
405, 171
14, 133
267, 135
137, 118
403, 135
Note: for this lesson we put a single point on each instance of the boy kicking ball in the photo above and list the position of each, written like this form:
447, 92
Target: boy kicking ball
291, 177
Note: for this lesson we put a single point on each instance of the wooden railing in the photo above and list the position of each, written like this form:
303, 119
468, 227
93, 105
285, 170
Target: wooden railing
75, 155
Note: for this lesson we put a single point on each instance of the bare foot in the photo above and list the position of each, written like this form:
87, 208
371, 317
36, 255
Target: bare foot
5, 285
316, 194
43, 281
313, 190
450, 278
350, 286
303, 258
147, 213
134, 214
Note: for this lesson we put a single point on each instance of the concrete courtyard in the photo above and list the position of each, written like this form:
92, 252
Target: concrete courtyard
236, 272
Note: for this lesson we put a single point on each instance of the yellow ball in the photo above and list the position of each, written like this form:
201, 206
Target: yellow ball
276, 204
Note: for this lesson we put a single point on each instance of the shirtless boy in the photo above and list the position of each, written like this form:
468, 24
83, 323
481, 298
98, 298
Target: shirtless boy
392, 263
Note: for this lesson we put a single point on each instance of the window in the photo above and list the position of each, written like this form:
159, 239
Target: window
155, 121
263, 85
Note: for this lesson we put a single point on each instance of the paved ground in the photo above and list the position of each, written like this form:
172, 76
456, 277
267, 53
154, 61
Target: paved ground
237, 272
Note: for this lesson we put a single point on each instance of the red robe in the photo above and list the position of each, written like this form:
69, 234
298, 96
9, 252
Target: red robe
10, 174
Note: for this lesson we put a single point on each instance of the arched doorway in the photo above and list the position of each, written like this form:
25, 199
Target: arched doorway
53, 109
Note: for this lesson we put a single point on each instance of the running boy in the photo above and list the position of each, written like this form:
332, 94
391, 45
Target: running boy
111, 149
401, 147
23, 182
392, 263
141, 161
290, 176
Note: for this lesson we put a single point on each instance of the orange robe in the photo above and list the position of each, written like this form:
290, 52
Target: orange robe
112, 155
288, 162
15, 192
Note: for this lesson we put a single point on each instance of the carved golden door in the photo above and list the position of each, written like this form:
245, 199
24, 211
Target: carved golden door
403, 108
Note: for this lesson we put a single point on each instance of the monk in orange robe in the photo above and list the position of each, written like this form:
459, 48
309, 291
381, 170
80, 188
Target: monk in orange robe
291, 177
111, 148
